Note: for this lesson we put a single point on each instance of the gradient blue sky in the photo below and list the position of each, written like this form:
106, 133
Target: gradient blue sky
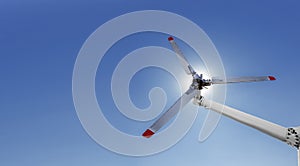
39, 42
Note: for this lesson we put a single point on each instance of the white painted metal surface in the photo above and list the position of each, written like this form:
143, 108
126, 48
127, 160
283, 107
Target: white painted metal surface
298, 157
262, 125
186, 66
241, 79
173, 110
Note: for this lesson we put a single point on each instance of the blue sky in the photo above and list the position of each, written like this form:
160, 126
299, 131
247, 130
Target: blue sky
40, 41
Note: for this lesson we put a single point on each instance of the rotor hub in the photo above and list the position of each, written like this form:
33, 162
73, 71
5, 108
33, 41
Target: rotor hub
199, 83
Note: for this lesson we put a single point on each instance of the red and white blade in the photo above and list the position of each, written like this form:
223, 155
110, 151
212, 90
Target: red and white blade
186, 66
242, 79
170, 113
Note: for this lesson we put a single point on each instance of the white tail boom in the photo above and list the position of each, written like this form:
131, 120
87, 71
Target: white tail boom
290, 135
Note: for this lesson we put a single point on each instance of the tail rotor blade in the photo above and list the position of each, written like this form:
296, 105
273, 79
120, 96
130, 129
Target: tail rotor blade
169, 114
242, 79
187, 67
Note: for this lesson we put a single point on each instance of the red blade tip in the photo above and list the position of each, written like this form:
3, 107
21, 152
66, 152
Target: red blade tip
272, 78
148, 133
170, 38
